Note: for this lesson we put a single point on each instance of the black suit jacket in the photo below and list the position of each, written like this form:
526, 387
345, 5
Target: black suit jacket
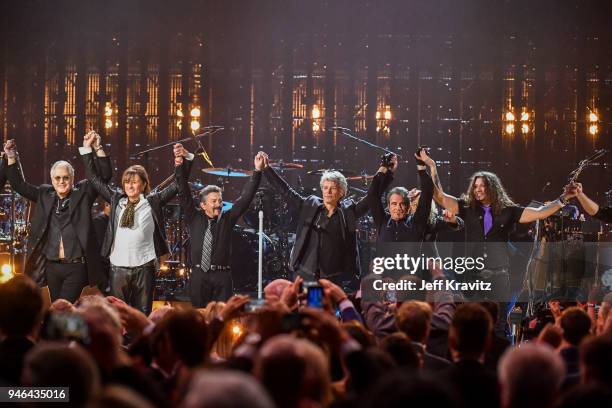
112, 195
3, 177
350, 211
197, 220
81, 200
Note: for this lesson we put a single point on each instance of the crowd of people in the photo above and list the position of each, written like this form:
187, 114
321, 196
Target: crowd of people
282, 353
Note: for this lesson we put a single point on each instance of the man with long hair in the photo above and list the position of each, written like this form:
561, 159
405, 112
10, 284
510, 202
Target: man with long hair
490, 215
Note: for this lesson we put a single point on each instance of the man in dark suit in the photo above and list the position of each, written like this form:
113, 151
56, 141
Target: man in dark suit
210, 229
60, 233
325, 244
135, 236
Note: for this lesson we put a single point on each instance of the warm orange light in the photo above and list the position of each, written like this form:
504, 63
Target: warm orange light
195, 112
316, 113
593, 129
195, 125
510, 116
593, 117
388, 115
524, 116
510, 128
525, 128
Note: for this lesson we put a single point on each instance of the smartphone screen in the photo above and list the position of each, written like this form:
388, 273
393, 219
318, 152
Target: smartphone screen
314, 297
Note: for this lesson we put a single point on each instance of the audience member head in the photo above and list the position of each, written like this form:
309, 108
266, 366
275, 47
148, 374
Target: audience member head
21, 307
470, 332
158, 313
105, 331
413, 318
400, 348
294, 370
530, 376
596, 360
576, 325
183, 333
586, 395
60, 365
225, 389
274, 289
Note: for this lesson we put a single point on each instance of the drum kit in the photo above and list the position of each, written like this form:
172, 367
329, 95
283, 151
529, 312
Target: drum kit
14, 228
279, 227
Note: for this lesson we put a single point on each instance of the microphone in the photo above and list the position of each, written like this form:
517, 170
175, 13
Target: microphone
546, 186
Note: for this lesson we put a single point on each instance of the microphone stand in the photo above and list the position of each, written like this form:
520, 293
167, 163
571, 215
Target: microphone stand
349, 133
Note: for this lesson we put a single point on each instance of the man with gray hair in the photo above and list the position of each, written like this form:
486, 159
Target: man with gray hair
530, 376
60, 238
325, 244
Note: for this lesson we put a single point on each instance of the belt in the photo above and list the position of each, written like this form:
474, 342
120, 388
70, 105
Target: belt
68, 261
219, 268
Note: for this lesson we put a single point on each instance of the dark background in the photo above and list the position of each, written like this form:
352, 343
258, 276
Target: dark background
442, 73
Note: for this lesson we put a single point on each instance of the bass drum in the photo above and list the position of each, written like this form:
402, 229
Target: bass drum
244, 260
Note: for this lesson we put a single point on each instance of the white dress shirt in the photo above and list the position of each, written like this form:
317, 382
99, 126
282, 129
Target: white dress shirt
134, 246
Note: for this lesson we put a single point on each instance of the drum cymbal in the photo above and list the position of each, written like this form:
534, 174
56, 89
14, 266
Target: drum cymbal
321, 171
281, 165
227, 172
196, 185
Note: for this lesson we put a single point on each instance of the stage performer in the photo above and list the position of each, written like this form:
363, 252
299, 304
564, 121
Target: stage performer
490, 215
60, 237
591, 207
135, 236
210, 228
325, 244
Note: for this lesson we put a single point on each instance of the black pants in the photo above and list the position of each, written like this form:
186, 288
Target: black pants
209, 286
134, 285
66, 281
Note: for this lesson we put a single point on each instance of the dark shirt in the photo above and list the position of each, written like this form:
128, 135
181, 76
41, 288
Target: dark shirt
476, 386
604, 214
61, 230
325, 242
494, 245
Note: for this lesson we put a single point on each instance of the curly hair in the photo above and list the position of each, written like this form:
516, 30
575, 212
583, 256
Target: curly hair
494, 188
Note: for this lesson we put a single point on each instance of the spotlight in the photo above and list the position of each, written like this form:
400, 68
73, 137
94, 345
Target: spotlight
316, 113
108, 123
388, 115
195, 112
510, 128
525, 128
179, 113
315, 127
510, 116
108, 110
593, 129
6, 273
524, 116
593, 117
195, 125
377, 114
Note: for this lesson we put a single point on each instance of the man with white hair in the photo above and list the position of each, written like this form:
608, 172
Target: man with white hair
530, 376
325, 244
60, 235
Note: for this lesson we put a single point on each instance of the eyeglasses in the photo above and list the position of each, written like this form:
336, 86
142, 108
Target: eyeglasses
61, 178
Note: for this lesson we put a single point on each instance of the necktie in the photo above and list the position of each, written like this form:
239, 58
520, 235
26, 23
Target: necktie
488, 219
207, 246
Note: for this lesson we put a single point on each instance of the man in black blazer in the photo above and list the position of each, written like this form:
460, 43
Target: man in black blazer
60, 234
325, 244
210, 229
135, 236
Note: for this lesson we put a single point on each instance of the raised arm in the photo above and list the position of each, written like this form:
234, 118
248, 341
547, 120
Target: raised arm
380, 182
441, 198
99, 184
423, 210
15, 175
242, 203
280, 185
590, 206
183, 163
531, 214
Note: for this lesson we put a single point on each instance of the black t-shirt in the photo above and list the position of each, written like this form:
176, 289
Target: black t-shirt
493, 246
